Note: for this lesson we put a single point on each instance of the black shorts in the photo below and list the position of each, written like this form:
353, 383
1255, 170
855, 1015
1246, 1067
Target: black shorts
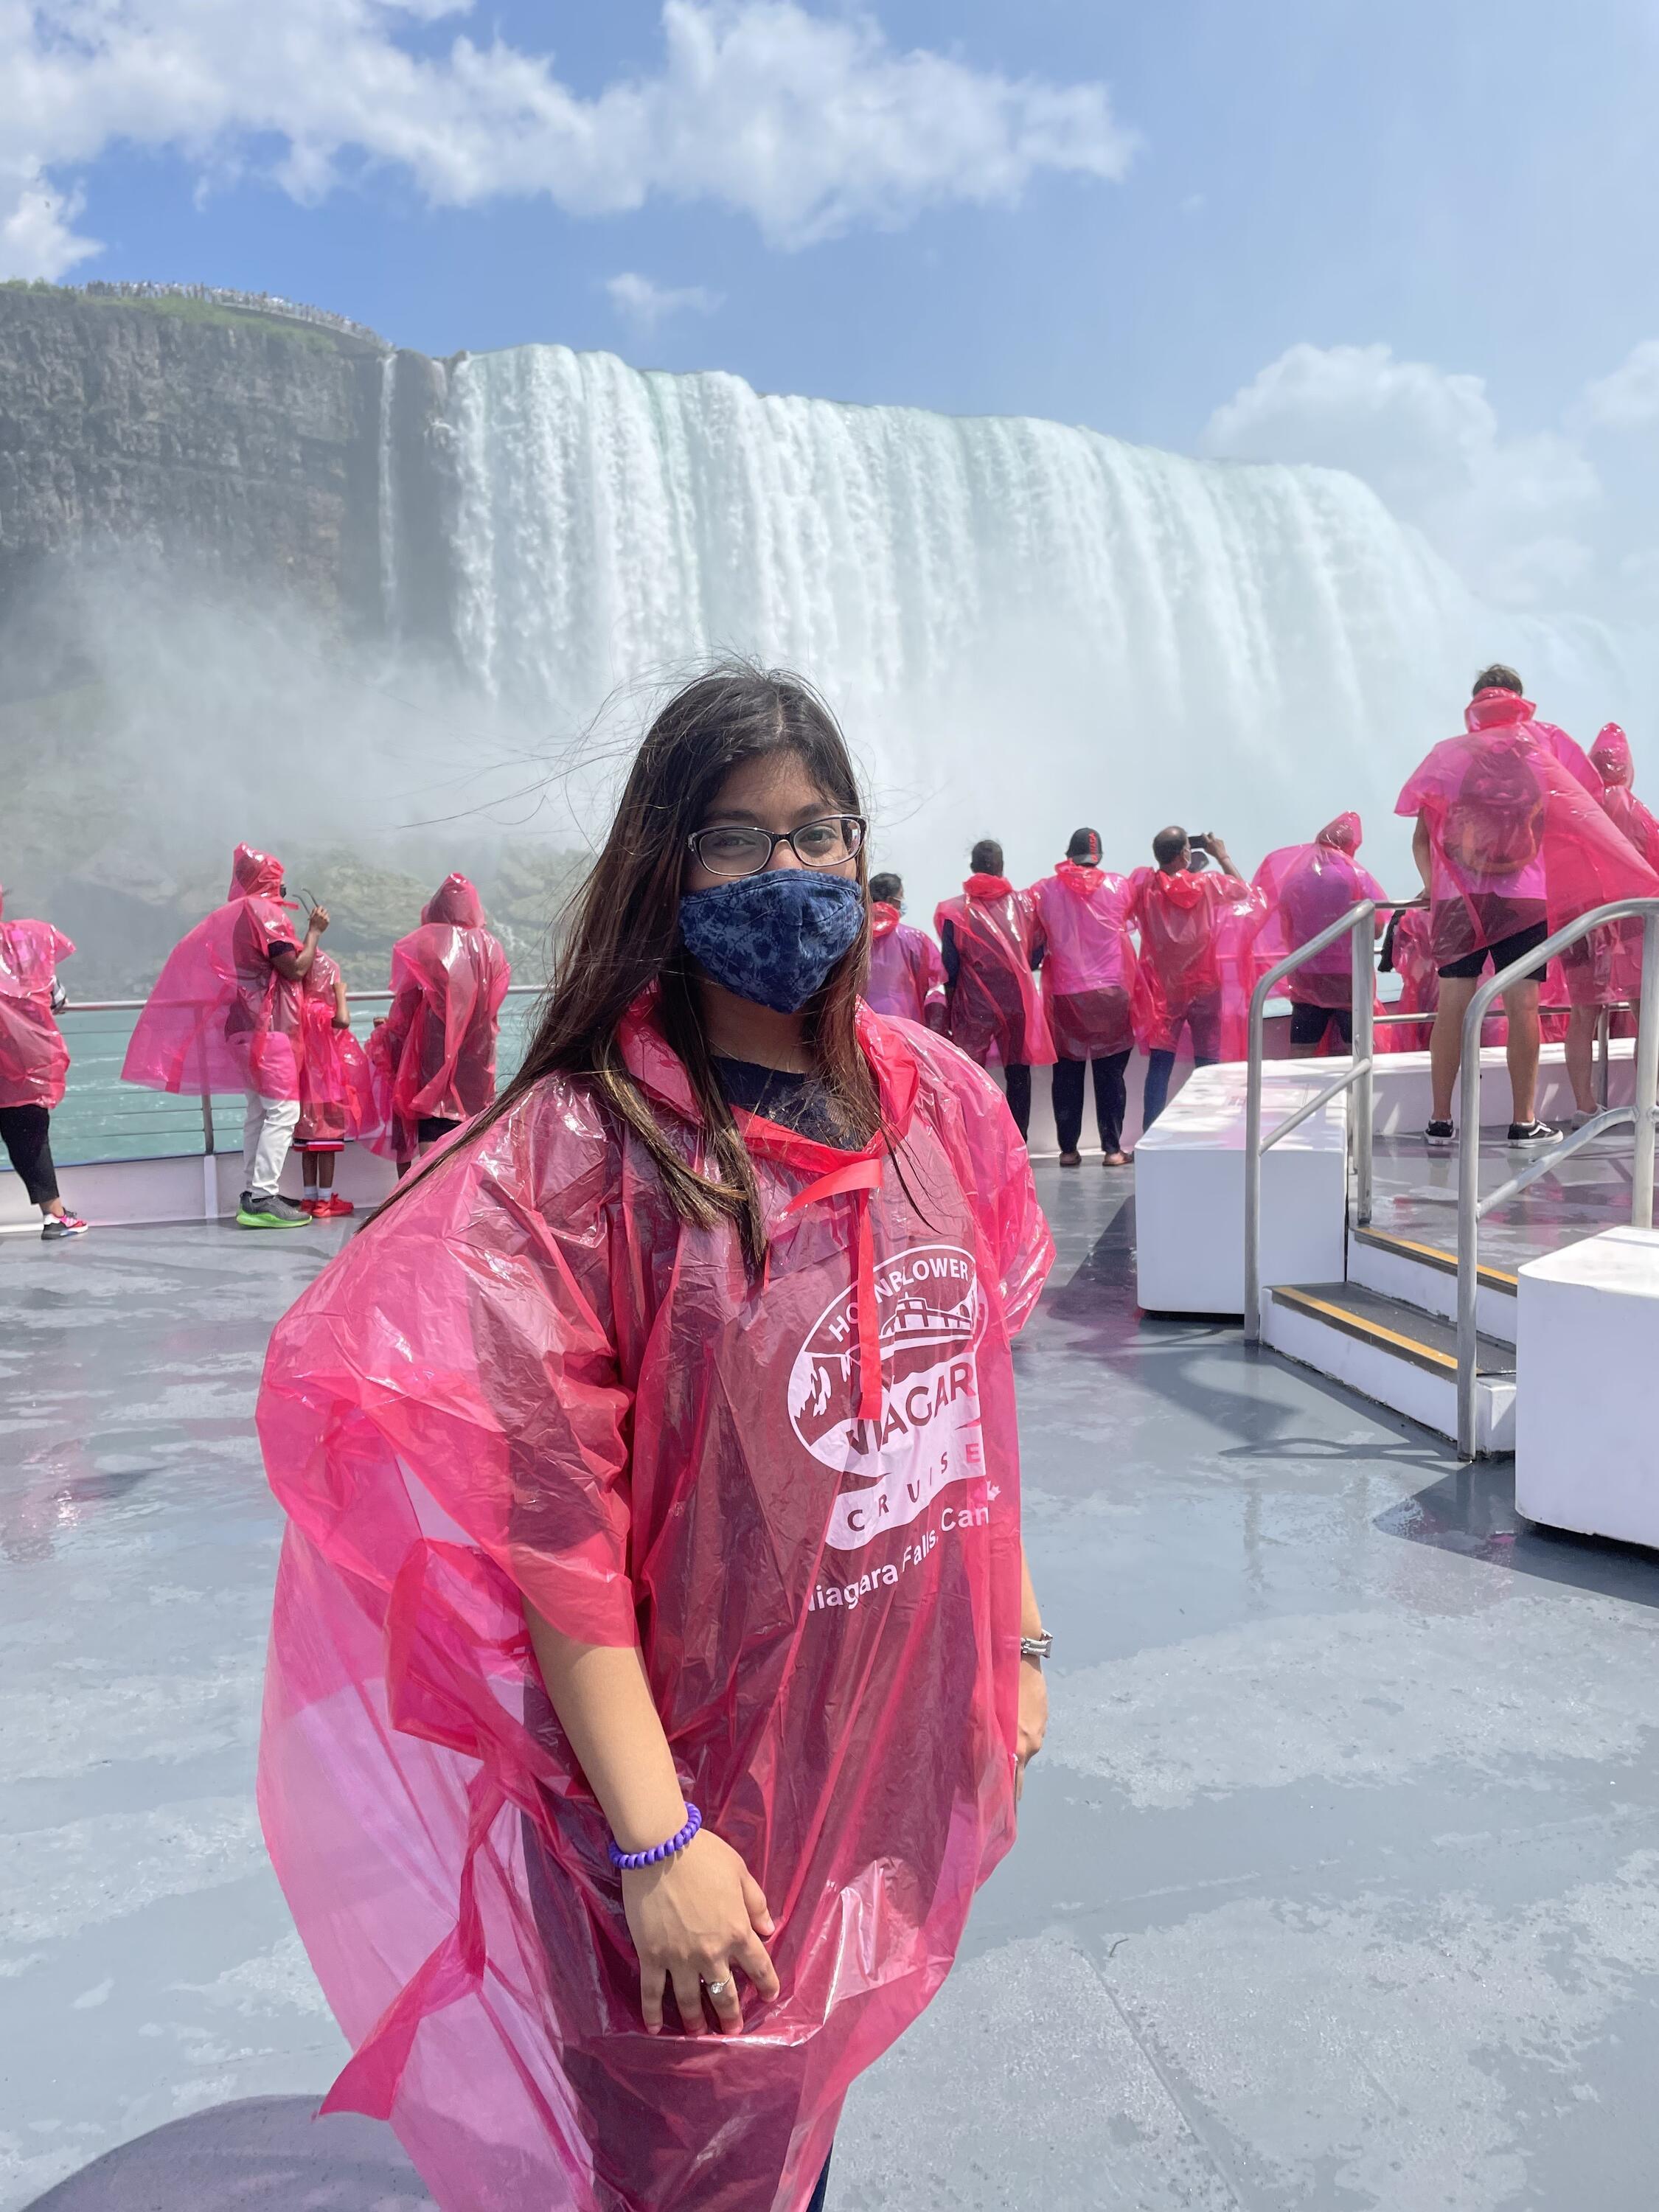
1310, 1024
1504, 954
432, 1127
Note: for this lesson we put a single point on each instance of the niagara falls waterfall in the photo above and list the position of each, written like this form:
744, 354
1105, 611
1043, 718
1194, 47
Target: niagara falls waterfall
1023, 626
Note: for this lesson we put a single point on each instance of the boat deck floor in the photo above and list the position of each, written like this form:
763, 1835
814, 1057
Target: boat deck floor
1338, 1882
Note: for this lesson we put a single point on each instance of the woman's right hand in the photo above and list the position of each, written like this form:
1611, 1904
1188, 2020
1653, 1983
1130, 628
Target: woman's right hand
697, 1919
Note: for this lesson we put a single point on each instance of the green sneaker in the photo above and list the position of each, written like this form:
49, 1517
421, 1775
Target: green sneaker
261, 1209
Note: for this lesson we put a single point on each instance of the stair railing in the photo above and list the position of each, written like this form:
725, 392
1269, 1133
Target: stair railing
1358, 925
1643, 1112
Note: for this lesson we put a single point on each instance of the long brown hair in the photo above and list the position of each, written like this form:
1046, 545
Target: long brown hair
623, 933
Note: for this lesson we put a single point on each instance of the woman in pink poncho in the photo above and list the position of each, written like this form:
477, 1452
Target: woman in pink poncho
435, 1053
1088, 989
647, 1694
1308, 887
991, 939
33, 1063
224, 1015
1197, 958
1605, 969
1510, 848
907, 976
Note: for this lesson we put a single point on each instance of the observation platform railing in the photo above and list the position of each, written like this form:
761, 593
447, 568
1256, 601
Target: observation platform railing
1358, 925
103, 1119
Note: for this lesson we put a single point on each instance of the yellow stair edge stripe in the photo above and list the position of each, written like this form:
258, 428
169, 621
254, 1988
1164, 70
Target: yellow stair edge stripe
1497, 1279
1360, 1325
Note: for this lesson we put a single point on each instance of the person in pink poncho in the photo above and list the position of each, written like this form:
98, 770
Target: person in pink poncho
434, 1054
991, 942
1088, 989
33, 1063
654, 1664
907, 976
1510, 847
1308, 887
1195, 966
224, 1015
335, 1088
1605, 969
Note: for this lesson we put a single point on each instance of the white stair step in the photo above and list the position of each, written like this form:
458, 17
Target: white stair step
1425, 1276
1395, 1353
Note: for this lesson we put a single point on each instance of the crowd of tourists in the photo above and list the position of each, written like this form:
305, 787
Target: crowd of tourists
1517, 831
654, 1656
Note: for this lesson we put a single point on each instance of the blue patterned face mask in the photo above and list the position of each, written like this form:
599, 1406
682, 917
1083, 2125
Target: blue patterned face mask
773, 938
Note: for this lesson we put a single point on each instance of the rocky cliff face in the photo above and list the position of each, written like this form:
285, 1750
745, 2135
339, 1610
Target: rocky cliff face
204, 510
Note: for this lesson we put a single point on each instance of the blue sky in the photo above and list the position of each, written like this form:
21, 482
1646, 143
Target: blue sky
1410, 238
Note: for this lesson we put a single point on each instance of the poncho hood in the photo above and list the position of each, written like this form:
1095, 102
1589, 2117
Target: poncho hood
1344, 834
1495, 710
987, 887
1610, 755
254, 875
884, 918
1083, 877
456, 902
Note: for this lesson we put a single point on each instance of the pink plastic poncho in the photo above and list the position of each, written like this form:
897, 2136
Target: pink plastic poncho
434, 1054
907, 976
1420, 984
1089, 965
1197, 960
1515, 841
33, 1057
337, 1088
996, 1011
799, 1493
1308, 887
220, 1016
1606, 968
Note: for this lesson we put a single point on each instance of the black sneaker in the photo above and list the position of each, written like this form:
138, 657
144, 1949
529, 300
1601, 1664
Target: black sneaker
261, 1209
1439, 1133
1532, 1132
56, 1226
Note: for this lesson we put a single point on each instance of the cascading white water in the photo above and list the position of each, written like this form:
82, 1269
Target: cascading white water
1024, 627
386, 495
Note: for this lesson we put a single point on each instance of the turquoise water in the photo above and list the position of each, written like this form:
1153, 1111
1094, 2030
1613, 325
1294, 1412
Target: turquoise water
102, 1118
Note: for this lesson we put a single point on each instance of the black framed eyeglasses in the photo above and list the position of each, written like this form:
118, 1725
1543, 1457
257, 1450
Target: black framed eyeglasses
743, 848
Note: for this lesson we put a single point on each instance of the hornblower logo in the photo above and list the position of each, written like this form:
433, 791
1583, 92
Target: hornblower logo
931, 1318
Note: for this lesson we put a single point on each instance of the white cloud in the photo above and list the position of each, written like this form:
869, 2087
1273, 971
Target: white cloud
1507, 510
37, 238
1628, 399
809, 124
645, 306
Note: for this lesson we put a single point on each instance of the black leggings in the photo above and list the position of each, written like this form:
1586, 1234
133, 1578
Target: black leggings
1111, 1098
1018, 1080
26, 1133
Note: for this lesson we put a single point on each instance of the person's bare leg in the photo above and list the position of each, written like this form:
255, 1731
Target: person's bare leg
1581, 1056
325, 1173
1521, 1005
1446, 1040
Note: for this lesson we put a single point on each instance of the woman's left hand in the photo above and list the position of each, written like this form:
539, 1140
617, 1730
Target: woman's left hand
1033, 1719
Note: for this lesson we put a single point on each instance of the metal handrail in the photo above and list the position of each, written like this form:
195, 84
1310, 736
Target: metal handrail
136, 1005
1643, 1112
209, 1138
1357, 1074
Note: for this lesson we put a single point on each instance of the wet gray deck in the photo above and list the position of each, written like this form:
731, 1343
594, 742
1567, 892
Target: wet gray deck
1339, 1880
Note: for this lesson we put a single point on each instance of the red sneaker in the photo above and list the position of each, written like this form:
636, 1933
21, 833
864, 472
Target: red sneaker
336, 1208
312, 1204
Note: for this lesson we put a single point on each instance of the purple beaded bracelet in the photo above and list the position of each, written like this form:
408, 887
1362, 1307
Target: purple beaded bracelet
623, 1860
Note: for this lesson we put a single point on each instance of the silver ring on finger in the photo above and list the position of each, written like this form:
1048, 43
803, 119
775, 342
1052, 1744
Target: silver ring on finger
718, 1989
